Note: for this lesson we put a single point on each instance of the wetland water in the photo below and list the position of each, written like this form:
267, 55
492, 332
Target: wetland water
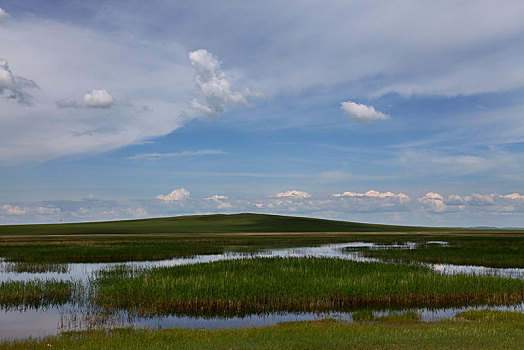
24, 322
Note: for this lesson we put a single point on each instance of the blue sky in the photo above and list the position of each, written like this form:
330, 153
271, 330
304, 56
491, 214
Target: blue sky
400, 112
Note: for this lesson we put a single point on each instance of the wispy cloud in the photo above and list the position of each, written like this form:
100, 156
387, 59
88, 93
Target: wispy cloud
204, 152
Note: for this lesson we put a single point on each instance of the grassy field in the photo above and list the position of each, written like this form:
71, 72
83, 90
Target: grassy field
294, 284
477, 330
154, 239
219, 223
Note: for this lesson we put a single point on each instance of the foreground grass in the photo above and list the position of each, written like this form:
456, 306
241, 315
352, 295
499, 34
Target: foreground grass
295, 284
508, 252
483, 330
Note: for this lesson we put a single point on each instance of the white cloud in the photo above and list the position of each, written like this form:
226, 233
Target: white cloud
4, 16
14, 209
514, 196
293, 194
361, 113
212, 87
98, 99
175, 195
375, 194
434, 201
203, 152
47, 210
136, 213
14, 87
220, 201
217, 197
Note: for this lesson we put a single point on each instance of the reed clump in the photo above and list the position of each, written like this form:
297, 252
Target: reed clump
37, 293
294, 284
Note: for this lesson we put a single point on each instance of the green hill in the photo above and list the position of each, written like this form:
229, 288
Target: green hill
218, 223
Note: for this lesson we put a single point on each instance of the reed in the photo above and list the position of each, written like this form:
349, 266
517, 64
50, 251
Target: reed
295, 284
504, 253
37, 293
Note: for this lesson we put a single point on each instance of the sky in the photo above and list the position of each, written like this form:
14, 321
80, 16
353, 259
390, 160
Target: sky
397, 112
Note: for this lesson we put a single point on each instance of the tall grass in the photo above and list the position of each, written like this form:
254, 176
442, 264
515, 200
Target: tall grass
296, 284
503, 253
37, 293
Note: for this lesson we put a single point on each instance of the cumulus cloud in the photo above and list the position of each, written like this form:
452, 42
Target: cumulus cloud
136, 213
14, 87
4, 16
98, 99
293, 194
434, 201
175, 195
375, 194
217, 197
14, 209
220, 201
212, 89
514, 196
91, 99
361, 113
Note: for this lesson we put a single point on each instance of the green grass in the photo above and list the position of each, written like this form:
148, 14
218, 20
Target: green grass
486, 251
37, 293
484, 333
218, 223
295, 284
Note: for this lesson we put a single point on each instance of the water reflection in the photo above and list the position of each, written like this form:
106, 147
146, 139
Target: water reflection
37, 323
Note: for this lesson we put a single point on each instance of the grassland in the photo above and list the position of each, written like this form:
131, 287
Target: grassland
294, 284
219, 223
155, 239
482, 330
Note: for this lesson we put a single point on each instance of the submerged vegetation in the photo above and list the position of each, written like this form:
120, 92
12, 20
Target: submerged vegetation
478, 333
294, 284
